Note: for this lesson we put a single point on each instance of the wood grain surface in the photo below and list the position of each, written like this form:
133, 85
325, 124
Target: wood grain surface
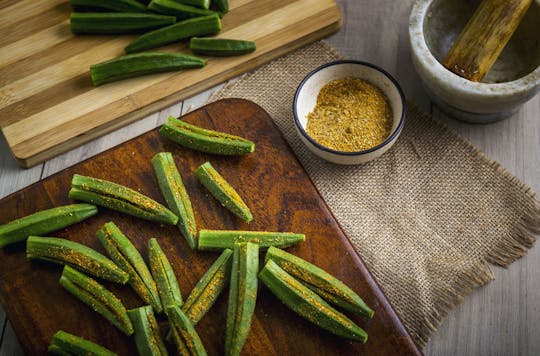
282, 198
45, 83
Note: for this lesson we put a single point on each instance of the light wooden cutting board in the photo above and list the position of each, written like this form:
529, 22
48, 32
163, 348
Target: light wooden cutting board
48, 104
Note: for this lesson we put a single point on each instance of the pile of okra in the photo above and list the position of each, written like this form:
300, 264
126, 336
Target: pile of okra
159, 23
305, 288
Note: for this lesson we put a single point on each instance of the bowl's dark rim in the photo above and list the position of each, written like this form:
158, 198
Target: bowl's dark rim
355, 153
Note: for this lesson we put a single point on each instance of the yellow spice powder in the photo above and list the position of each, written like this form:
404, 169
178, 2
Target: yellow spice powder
351, 115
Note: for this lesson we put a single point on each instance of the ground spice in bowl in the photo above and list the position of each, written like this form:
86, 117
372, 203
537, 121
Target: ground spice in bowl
351, 115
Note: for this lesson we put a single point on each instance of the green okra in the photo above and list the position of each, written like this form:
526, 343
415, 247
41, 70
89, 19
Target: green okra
55, 350
204, 140
222, 5
207, 290
97, 297
242, 296
198, 26
220, 239
126, 256
220, 47
108, 23
71, 344
44, 222
76, 255
175, 8
147, 334
308, 304
204, 4
138, 64
115, 5
223, 191
117, 197
176, 196
321, 282
162, 271
185, 337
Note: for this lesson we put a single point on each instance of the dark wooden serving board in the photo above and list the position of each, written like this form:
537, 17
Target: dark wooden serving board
282, 198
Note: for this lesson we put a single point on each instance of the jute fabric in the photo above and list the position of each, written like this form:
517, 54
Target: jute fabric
427, 217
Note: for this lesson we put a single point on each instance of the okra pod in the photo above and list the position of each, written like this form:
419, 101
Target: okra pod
117, 197
308, 304
76, 255
222, 5
125, 255
204, 4
147, 334
75, 345
242, 296
135, 65
176, 196
55, 350
223, 191
116, 22
220, 47
184, 334
181, 11
97, 297
204, 140
321, 282
198, 26
44, 222
115, 5
207, 290
162, 271
220, 239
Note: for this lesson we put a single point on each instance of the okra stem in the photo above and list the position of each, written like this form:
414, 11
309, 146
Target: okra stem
220, 239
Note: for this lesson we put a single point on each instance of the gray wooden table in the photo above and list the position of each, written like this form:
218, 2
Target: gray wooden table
502, 318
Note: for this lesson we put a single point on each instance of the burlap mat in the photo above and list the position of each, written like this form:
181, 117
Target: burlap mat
425, 217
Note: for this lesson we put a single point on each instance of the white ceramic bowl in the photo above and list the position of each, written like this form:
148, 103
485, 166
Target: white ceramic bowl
306, 98
514, 78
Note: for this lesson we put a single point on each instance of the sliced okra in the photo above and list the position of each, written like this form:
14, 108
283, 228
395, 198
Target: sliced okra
162, 271
76, 255
75, 345
242, 296
147, 334
44, 222
97, 297
176, 196
115, 5
220, 239
220, 47
117, 197
185, 337
176, 8
207, 290
321, 282
223, 191
108, 23
308, 304
222, 5
126, 256
204, 140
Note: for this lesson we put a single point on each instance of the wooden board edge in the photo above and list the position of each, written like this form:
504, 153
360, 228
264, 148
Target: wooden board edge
30, 161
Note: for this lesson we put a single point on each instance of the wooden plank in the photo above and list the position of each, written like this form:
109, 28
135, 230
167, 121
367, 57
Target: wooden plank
290, 203
57, 91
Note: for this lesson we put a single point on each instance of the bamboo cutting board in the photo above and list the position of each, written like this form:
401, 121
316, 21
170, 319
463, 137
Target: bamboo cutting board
48, 104
281, 197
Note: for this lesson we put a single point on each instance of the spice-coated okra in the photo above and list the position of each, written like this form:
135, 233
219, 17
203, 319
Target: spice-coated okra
185, 337
223, 191
325, 285
97, 297
76, 255
308, 304
220, 239
242, 296
176, 196
126, 256
44, 222
147, 334
64, 343
204, 140
117, 197
163, 273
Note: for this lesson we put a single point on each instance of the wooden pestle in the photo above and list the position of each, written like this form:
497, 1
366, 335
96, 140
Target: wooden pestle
484, 37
